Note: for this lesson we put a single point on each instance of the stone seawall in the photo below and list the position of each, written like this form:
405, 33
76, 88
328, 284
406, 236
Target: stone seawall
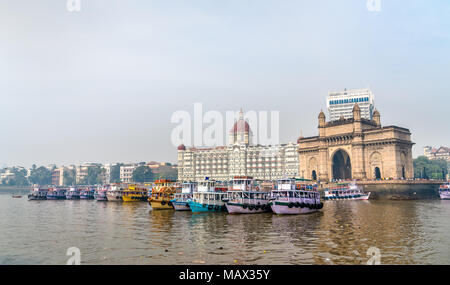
401, 189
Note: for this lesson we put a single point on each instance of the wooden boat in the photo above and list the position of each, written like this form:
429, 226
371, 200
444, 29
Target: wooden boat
345, 191
16, 196
163, 192
56, 193
38, 193
115, 193
444, 191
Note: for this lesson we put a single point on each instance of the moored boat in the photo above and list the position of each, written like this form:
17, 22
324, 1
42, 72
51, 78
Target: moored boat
293, 197
73, 193
101, 193
208, 198
444, 191
115, 193
87, 193
245, 197
345, 191
38, 193
162, 193
181, 200
56, 193
135, 193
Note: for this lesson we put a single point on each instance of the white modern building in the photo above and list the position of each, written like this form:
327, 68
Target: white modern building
340, 104
126, 172
239, 158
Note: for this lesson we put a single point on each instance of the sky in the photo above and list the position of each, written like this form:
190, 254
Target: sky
101, 84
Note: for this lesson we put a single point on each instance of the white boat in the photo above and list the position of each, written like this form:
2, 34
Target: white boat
293, 197
244, 196
115, 193
181, 200
345, 191
444, 191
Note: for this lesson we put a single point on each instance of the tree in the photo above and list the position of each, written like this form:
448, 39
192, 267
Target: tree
429, 169
41, 176
115, 173
142, 174
69, 176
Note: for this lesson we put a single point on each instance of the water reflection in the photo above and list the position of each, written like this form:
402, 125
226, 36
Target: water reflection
406, 232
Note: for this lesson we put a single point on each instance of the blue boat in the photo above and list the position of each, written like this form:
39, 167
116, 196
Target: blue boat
181, 200
101, 193
56, 193
208, 198
38, 193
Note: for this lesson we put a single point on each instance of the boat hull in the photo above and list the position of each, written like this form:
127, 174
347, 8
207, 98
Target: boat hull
445, 196
235, 208
181, 206
101, 198
160, 205
56, 197
283, 209
359, 197
202, 208
87, 197
134, 198
73, 197
36, 198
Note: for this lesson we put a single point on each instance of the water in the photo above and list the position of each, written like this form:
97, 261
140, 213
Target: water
40, 232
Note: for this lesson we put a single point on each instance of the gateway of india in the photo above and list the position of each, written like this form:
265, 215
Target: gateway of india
352, 145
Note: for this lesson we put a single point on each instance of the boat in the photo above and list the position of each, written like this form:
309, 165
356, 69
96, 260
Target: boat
87, 194
135, 193
101, 193
209, 197
444, 191
246, 197
16, 196
115, 193
38, 193
345, 191
73, 193
56, 193
162, 193
293, 197
181, 200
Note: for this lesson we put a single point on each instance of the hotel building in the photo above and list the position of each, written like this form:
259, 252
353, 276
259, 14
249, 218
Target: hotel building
238, 158
341, 104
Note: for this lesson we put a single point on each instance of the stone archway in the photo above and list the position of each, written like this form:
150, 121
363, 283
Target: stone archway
377, 173
314, 175
341, 165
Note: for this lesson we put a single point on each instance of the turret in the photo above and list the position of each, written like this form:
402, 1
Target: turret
356, 112
322, 123
376, 118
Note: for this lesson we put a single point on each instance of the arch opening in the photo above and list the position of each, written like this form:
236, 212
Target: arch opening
377, 173
342, 167
314, 175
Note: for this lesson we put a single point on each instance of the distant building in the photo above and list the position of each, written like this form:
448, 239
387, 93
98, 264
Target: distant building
58, 176
82, 171
239, 158
126, 172
437, 153
340, 104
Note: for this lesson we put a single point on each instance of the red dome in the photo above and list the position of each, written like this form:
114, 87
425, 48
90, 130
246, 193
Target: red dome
240, 126
181, 147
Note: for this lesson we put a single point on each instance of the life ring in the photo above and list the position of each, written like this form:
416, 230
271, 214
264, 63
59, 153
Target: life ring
163, 203
320, 206
204, 205
251, 207
290, 205
302, 205
257, 207
210, 207
245, 206
170, 204
217, 208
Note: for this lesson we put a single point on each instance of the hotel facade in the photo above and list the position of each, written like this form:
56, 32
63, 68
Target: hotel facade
238, 158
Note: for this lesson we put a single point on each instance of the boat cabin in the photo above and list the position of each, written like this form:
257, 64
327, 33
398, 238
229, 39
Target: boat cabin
243, 183
188, 187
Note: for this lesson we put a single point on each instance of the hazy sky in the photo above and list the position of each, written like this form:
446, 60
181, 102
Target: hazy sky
101, 85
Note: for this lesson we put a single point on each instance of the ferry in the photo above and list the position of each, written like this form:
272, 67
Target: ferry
208, 198
87, 194
444, 191
163, 192
114, 193
293, 197
345, 191
73, 193
135, 193
245, 197
38, 193
56, 193
181, 201
101, 193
